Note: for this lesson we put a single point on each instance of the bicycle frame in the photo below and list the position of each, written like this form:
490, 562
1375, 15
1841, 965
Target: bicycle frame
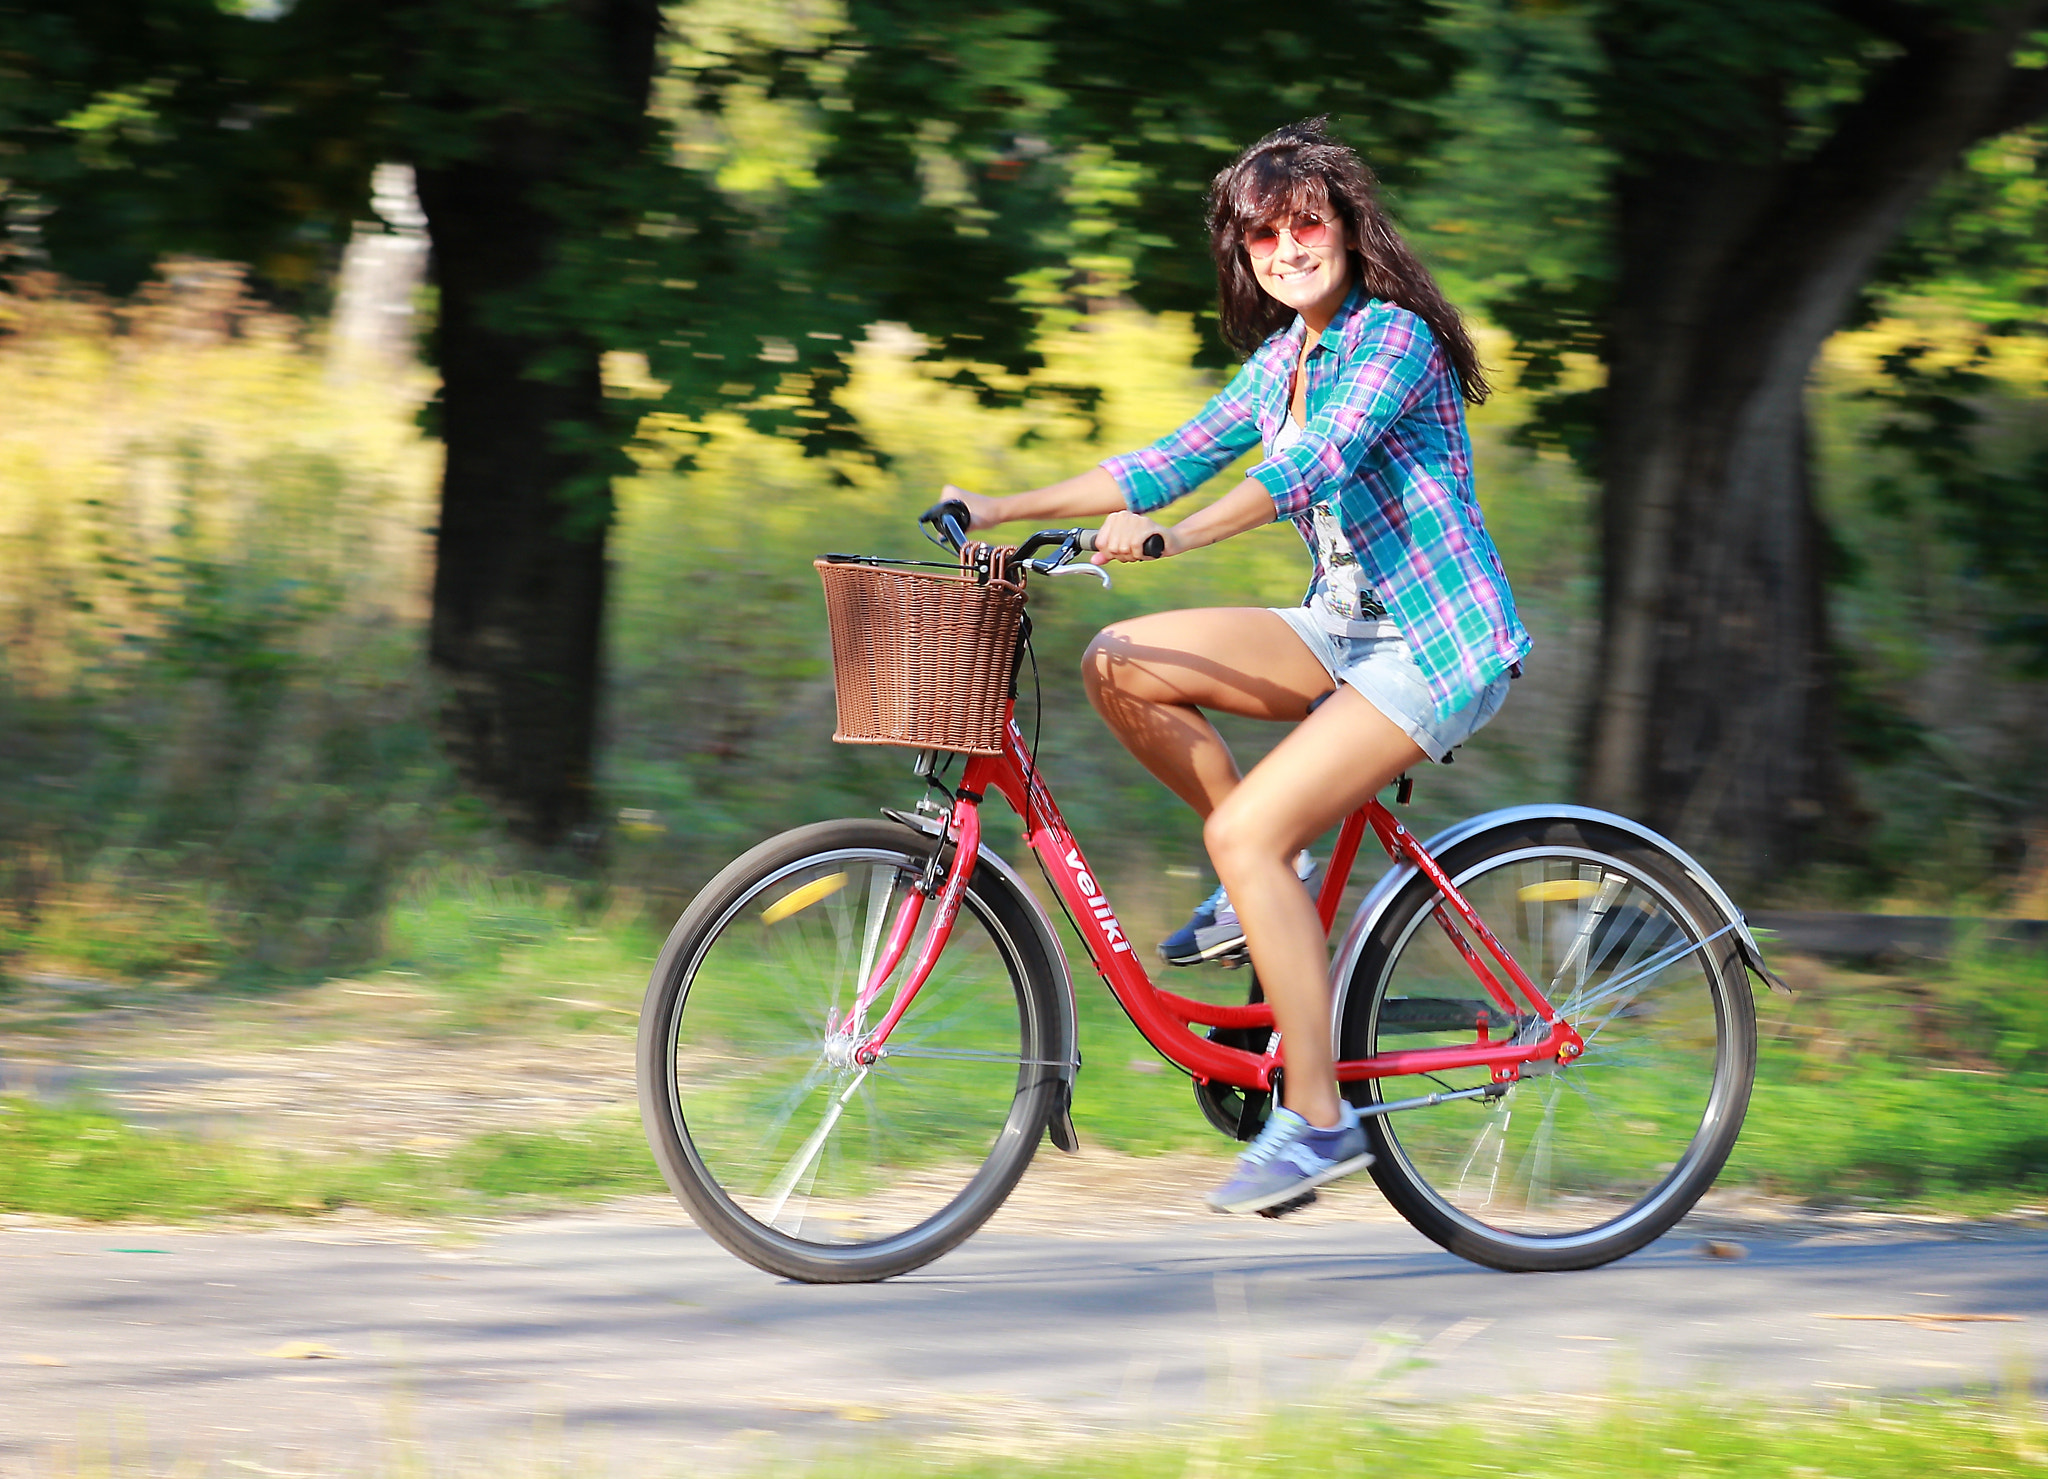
1164, 1017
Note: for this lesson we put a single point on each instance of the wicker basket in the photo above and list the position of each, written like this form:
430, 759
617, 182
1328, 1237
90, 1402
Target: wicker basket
920, 658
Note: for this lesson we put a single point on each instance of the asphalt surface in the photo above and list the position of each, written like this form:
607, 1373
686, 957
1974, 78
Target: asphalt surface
626, 1338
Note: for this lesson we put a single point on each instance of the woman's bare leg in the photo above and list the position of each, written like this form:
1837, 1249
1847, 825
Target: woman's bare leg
1150, 678
1333, 762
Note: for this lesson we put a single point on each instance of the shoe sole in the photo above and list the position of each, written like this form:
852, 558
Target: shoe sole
1296, 1188
1203, 957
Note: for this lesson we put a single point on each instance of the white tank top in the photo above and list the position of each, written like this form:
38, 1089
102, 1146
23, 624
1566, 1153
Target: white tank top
1345, 603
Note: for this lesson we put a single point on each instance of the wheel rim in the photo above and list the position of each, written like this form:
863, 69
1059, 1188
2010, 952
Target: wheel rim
1580, 1153
791, 1133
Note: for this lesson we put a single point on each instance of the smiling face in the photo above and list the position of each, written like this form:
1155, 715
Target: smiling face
1310, 276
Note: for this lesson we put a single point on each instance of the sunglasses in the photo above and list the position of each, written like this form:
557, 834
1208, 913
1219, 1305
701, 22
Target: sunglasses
1307, 228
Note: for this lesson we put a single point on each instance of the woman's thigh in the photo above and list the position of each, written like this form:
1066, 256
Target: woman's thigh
1327, 767
1236, 659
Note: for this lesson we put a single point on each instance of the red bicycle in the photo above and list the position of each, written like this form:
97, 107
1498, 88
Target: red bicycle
859, 1031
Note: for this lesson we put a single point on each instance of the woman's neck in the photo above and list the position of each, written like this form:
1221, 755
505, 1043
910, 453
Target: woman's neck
1316, 317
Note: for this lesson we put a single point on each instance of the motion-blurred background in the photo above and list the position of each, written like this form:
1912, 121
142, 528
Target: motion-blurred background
417, 421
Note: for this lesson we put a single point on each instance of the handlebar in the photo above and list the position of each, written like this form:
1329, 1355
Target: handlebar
1154, 547
947, 524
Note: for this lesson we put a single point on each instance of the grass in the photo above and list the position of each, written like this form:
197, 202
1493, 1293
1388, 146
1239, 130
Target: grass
73, 1160
1619, 1437
1872, 1130
1622, 1435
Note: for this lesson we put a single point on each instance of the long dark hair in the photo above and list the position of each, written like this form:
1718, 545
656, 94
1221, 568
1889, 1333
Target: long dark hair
1301, 167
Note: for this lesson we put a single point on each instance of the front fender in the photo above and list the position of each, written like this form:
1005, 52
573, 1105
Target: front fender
1048, 937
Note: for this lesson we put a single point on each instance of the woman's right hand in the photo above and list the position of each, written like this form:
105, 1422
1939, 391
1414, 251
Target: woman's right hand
983, 512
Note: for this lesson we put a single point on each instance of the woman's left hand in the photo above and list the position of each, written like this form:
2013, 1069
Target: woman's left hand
1123, 535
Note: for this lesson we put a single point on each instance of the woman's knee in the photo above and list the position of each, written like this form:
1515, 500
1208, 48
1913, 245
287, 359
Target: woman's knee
1236, 834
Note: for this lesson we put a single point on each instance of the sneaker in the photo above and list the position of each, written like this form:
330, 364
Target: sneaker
1292, 1157
1212, 930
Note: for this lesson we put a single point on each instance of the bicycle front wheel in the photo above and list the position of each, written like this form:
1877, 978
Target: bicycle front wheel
1577, 1165
787, 1151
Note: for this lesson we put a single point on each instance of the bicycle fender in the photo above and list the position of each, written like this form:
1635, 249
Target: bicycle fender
1381, 895
1049, 939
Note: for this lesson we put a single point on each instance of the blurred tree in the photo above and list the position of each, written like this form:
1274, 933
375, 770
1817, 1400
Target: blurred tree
962, 164
139, 127
1765, 152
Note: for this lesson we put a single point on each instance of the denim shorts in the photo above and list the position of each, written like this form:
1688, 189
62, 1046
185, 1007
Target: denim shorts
1384, 670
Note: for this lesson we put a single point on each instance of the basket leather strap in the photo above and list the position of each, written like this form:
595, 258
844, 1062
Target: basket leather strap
991, 564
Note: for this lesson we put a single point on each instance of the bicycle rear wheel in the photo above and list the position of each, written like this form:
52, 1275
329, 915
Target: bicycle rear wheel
792, 1155
1574, 1166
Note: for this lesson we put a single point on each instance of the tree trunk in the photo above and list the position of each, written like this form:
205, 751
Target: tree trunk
519, 575
1712, 716
519, 579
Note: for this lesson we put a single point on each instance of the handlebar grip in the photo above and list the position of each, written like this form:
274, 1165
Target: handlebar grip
951, 518
1155, 544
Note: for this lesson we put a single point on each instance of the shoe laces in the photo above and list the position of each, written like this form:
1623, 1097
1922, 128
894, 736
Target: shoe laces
1276, 1137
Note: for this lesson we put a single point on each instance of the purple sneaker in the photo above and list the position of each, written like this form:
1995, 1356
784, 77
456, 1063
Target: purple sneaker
1212, 931
1292, 1157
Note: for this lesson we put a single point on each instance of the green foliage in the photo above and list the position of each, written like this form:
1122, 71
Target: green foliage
75, 1161
1870, 1130
1619, 1435
598, 1159
2000, 518
211, 704
72, 1160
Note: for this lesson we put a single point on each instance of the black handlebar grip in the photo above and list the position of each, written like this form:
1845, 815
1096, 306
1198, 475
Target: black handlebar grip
1155, 544
950, 517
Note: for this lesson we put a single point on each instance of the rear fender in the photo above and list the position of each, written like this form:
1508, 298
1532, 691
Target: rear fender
1381, 896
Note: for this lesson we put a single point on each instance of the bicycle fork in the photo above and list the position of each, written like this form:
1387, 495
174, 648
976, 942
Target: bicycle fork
964, 824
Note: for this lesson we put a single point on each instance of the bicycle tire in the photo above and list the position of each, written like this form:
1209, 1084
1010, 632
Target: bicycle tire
813, 1167
1622, 1143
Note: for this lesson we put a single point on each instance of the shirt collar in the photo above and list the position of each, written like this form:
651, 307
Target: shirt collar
1344, 325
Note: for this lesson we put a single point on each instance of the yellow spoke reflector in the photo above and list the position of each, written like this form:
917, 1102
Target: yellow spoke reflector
1557, 889
803, 898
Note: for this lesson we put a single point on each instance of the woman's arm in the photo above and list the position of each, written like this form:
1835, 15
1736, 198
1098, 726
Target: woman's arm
1247, 506
1082, 496
1150, 478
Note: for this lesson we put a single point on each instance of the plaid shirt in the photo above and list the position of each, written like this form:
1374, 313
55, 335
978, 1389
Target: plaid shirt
1385, 441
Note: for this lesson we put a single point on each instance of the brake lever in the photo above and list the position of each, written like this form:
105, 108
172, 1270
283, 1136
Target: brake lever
1096, 570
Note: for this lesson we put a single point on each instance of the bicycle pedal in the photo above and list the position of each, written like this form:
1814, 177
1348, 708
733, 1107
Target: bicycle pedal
1293, 1204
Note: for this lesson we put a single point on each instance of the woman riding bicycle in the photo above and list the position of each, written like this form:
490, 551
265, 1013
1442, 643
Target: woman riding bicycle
1353, 388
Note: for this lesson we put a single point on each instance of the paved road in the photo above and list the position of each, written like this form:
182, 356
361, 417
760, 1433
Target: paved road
629, 1331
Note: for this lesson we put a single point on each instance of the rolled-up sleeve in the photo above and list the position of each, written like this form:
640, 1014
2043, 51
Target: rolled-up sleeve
1385, 378
1220, 433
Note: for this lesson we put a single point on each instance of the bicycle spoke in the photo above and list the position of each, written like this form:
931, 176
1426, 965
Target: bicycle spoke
803, 1139
807, 1156
1571, 1145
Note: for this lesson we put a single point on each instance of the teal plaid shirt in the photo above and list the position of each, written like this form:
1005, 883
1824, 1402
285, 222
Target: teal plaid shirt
1385, 443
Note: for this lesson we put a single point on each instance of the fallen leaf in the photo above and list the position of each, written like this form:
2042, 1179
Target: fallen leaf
1714, 1248
854, 1412
1930, 1321
305, 1350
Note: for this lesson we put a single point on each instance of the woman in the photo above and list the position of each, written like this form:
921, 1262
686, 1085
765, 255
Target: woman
1407, 639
